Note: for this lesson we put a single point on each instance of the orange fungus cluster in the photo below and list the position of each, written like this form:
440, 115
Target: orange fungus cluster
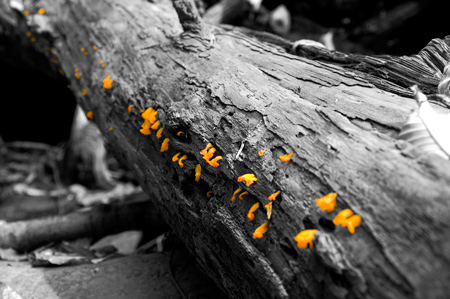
328, 202
347, 219
305, 237
286, 158
248, 178
107, 82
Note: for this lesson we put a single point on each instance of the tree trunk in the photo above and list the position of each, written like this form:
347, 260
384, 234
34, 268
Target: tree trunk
218, 85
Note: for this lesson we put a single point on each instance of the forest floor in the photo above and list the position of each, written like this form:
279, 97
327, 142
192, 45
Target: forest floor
138, 263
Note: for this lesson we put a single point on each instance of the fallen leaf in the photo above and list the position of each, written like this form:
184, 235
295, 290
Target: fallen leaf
125, 242
426, 129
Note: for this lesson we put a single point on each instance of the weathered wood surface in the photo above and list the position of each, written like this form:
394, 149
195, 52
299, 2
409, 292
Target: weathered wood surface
227, 88
389, 73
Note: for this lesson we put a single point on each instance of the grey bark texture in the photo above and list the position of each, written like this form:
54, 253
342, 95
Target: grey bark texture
339, 113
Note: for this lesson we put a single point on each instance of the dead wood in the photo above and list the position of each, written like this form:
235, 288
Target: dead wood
231, 90
95, 222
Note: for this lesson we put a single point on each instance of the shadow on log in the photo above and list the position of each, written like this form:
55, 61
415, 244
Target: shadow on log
231, 89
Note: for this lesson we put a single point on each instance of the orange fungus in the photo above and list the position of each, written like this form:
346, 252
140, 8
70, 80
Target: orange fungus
305, 237
250, 215
165, 145
328, 202
258, 234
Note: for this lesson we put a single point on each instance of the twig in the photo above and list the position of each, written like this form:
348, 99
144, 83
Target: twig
29, 145
189, 16
240, 149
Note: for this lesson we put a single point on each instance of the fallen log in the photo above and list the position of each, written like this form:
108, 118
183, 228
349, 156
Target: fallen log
94, 222
218, 85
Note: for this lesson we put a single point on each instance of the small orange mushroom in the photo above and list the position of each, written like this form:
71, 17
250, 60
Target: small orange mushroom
273, 196
130, 107
148, 111
198, 172
165, 145
94, 47
41, 11
342, 216
145, 130
175, 157
179, 133
269, 209
236, 192
159, 133
77, 75
107, 82
156, 125
305, 237
248, 178
100, 61
286, 158
150, 115
84, 91
33, 40
258, 234
28, 34
90, 115
352, 222
26, 12
328, 202
209, 193
261, 153
146, 124
209, 154
103, 65
213, 162
111, 128
86, 53
181, 159
204, 151
82, 49
242, 194
250, 215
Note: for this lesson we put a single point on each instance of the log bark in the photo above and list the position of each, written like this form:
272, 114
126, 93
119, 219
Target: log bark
219, 85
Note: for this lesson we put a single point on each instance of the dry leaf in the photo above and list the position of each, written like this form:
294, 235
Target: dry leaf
444, 85
125, 243
426, 129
